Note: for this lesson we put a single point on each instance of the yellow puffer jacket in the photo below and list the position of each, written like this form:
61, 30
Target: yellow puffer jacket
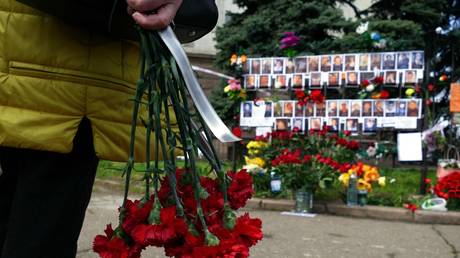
52, 75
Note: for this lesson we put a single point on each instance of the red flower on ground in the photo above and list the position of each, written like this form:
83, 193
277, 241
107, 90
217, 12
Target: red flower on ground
410, 206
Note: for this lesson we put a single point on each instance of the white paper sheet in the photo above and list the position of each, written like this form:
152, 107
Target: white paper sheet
410, 147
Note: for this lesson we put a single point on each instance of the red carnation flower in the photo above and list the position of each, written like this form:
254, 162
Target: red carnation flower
250, 230
111, 246
237, 131
365, 83
378, 80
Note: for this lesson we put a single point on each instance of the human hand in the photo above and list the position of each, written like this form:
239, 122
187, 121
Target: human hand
153, 14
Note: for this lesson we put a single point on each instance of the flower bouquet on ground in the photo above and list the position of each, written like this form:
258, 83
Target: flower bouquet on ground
186, 214
367, 177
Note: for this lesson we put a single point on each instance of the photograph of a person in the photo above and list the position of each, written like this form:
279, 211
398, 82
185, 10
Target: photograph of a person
247, 109
297, 81
389, 61
309, 109
417, 60
325, 63
313, 64
390, 77
351, 124
350, 63
267, 66
410, 77
250, 82
300, 65
403, 60
282, 124
268, 109
333, 80
278, 109
352, 79
315, 80
333, 124
290, 66
316, 123
378, 108
401, 108
390, 108
255, 66
355, 108
320, 109
343, 108
278, 65
299, 109
281, 82
370, 125
264, 81
413, 108
376, 61
337, 64
363, 62
288, 109
365, 76
332, 108
297, 124
367, 108
246, 67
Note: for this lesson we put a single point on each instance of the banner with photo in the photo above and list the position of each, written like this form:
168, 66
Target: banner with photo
334, 70
355, 115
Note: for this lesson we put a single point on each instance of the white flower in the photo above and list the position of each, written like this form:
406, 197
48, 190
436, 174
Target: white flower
371, 151
362, 28
370, 87
392, 180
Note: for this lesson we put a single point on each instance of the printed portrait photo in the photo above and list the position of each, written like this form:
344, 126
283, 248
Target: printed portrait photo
376, 61
278, 109
264, 81
367, 108
333, 80
278, 65
410, 77
364, 62
290, 66
332, 108
325, 63
370, 125
250, 82
355, 108
297, 81
413, 108
281, 82
418, 60
337, 64
333, 124
403, 60
401, 107
309, 109
352, 79
378, 108
320, 109
255, 66
267, 66
344, 108
247, 109
351, 124
390, 77
288, 109
313, 64
268, 109
282, 124
245, 67
389, 61
316, 123
350, 63
299, 109
315, 80
301, 65
390, 108
297, 124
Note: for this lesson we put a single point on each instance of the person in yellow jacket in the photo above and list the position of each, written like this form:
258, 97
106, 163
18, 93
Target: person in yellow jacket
64, 104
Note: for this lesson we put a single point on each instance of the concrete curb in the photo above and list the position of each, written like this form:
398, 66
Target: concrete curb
369, 211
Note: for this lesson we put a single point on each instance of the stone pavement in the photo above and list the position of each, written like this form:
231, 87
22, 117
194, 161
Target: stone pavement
321, 236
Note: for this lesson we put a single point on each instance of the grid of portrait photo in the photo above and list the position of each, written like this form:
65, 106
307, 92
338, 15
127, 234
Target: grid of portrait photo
333, 71
355, 115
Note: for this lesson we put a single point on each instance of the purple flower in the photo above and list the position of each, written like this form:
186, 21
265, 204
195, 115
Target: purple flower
289, 40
